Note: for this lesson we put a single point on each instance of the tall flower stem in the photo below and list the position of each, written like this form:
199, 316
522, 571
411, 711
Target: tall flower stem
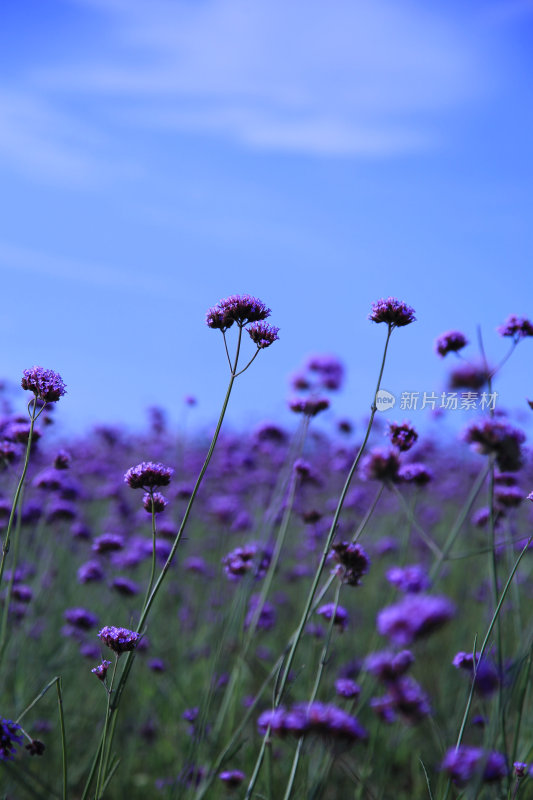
331, 535
115, 702
101, 767
321, 664
154, 533
34, 414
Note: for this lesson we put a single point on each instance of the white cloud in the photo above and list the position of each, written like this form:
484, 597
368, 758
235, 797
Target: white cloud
367, 77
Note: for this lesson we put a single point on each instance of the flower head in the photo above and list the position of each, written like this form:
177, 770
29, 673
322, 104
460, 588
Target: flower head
393, 312
450, 342
499, 438
263, 334
45, 384
148, 475
239, 308
9, 738
339, 614
516, 327
415, 616
463, 762
101, 670
232, 777
120, 640
353, 562
402, 436
155, 502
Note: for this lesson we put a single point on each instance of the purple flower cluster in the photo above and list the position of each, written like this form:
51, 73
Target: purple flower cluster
45, 384
148, 475
243, 560
493, 436
410, 579
392, 311
263, 334
353, 562
322, 719
310, 406
404, 696
339, 614
450, 342
9, 738
486, 674
120, 640
414, 617
101, 670
464, 762
239, 308
381, 465
402, 436
516, 327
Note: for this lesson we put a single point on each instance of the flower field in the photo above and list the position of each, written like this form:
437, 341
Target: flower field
337, 611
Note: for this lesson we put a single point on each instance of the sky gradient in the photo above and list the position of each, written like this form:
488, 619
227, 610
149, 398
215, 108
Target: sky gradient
156, 157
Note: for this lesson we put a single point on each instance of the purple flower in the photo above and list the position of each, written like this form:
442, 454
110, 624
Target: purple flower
155, 502
241, 309
108, 543
267, 615
402, 436
416, 473
392, 311
120, 640
9, 738
410, 579
516, 327
322, 719
263, 334
46, 384
310, 406
381, 465
329, 369
353, 562
345, 687
232, 777
148, 475
81, 618
468, 376
387, 666
486, 674
450, 342
90, 571
101, 670
125, 586
463, 762
417, 615
339, 614
520, 768
492, 436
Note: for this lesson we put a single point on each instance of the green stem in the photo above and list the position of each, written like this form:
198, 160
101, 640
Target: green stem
101, 766
152, 573
63, 736
6, 543
314, 586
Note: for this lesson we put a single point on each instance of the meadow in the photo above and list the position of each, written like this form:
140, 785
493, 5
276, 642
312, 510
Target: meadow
321, 612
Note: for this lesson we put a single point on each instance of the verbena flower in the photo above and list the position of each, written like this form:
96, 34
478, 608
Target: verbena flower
9, 739
450, 342
120, 640
317, 718
155, 502
402, 436
241, 309
487, 680
46, 384
516, 327
463, 762
339, 614
417, 615
468, 376
232, 777
381, 465
345, 687
410, 579
353, 562
392, 311
310, 406
263, 334
81, 618
329, 369
148, 475
101, 670
387, 666
416, 473
492, 436
35, 747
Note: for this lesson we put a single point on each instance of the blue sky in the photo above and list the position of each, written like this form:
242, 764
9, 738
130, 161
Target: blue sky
157, 156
